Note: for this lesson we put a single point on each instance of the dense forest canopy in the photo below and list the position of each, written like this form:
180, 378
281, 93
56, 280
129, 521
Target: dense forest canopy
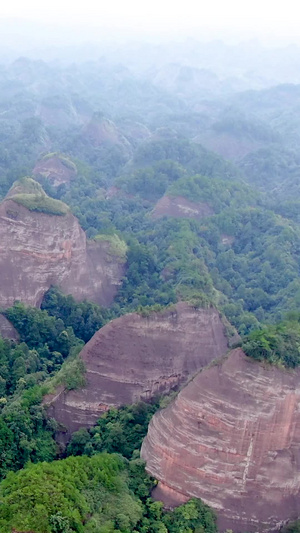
194, 179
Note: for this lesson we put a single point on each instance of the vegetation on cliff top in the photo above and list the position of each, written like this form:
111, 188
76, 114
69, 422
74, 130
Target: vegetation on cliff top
41, 203
118, 247
277, 344
63, 158
31, 195
218, 194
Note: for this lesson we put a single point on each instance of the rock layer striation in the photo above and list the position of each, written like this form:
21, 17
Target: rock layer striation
39, 250
232, 437
136, 357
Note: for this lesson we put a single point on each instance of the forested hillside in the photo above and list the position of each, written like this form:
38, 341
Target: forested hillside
198, 195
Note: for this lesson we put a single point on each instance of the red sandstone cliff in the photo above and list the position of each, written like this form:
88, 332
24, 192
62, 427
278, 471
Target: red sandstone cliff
178, 206
136, 357
57, 169
38, 250
232, 437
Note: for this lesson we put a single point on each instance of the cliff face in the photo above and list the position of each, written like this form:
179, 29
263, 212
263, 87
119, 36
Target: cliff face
56, 169
102, 131
39, 250
179, 206
7, 330
135, 357
231, 437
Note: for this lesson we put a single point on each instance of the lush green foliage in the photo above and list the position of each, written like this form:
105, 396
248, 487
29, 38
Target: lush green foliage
31, 195
102, 494
26, 434
41, 203
278, 344
245, 258
218, 194
117, 431
39, 330
292, 527
118, 247
85, 318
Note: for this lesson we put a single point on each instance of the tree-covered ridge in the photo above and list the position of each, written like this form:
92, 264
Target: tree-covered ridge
31, 195
85, 318
219, 194
277, 344
159, 163
103, 494
244, 259
117, 431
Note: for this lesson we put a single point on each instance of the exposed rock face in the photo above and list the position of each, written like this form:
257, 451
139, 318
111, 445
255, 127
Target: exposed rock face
227, 145
39, 250
102, 131
231, 437
178, 206
56, 169
227, 240
7, 330
135, 357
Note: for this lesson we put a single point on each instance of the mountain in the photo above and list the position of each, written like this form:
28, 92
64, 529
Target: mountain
56, 168
42, 244
139, 357
231, 438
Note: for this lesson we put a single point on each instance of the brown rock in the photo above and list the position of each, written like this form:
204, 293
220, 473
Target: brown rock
102, 131
231, 437
178, 206
56, 169
7, 330
39, 250
136, 357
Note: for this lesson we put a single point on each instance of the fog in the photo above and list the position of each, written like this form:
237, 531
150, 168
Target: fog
36, 24
256, 42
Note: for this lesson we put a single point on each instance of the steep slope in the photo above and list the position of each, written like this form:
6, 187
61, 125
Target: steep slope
56, 168
136, 357
42, 244
179, 206
231, 437
102, 131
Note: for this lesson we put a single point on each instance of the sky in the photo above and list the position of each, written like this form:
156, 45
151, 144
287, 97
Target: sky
261, 17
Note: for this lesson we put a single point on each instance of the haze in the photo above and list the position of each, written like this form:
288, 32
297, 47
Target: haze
265, 20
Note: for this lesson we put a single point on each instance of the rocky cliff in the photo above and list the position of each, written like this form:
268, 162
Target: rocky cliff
39, 249
101, 131
56, 168
232, 437
136, 357
178, 206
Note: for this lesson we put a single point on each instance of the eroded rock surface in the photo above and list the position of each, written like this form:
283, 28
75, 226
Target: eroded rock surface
101, 131
232, 437
178, 206
136, 357
38, 250
7, 330
56, 169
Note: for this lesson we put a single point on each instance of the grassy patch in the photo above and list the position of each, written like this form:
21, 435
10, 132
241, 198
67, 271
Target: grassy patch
66, 161
118, 247
41, 203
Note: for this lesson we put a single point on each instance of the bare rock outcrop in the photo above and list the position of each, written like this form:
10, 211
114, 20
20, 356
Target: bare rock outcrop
55, 168
138, 357
101, 131
178, 206
231, 437
40, 249
7, 330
